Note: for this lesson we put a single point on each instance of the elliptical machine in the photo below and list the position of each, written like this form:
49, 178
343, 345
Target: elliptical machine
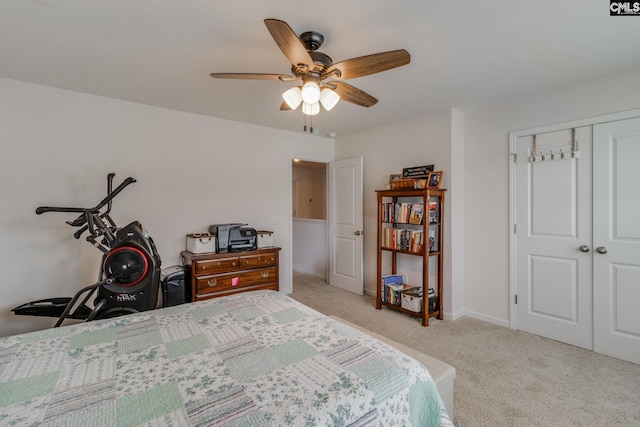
129, 276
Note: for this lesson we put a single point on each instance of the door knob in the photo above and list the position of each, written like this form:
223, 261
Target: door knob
601, 250
359, 233
584, 248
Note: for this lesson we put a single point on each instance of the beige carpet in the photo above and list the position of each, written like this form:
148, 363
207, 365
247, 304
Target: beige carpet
504, 377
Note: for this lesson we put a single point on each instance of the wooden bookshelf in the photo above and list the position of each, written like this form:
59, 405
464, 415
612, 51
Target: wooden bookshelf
397, 234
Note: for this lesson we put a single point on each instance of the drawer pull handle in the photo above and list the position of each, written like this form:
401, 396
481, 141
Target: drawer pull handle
212, 282
273, 258
233, 263
265, 274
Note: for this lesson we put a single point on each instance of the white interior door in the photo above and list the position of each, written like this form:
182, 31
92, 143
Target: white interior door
346, 224
616, 255
553, 237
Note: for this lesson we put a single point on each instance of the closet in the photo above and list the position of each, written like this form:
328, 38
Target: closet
575, 252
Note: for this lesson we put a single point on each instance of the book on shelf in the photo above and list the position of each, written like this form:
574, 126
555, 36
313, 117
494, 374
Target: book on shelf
393, 293
416, 214
402, 213
392, 279
402, 239
388, 212
433, 213
433, 240
391, 287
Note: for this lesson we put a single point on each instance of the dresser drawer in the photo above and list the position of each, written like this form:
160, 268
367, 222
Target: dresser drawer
255, 261
223, 282
215, 266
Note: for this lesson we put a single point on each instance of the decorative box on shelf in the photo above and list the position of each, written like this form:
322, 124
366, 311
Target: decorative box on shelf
403, 184
412, 299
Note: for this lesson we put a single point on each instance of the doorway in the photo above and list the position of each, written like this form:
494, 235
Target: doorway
309, 218
331, 249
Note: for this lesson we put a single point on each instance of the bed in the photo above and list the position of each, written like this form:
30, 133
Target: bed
251, 359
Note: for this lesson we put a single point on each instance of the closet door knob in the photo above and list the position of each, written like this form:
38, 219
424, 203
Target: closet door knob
601, 250
584, 248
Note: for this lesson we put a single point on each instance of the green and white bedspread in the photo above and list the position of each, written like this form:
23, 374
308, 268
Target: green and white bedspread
252, 359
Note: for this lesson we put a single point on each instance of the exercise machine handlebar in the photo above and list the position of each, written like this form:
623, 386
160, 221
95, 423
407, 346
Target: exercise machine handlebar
106, 201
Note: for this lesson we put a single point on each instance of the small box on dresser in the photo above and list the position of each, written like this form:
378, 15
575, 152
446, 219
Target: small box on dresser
265, 238
201, 243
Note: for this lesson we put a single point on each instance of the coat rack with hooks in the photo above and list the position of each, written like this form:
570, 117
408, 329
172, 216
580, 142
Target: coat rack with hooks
567, 152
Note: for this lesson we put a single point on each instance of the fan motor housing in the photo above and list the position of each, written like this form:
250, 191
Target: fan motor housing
312, 40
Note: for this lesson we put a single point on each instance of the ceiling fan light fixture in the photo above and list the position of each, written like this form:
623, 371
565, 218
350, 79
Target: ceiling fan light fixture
310, 109
292, 97
311, 92
329, 98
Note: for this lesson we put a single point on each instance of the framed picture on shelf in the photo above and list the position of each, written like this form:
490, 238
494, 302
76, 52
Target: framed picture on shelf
435, 179
394, 177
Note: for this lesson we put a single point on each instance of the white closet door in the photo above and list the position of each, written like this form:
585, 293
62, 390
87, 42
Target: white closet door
616, 257
553, 238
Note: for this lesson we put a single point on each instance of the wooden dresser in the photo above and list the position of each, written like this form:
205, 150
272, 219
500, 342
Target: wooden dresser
215, 275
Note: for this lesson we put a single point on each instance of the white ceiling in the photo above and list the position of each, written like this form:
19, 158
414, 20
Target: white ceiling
160, 52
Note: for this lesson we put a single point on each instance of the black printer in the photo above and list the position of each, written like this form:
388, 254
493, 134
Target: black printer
234, 237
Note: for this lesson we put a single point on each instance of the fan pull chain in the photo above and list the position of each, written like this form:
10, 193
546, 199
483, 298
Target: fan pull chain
311, 124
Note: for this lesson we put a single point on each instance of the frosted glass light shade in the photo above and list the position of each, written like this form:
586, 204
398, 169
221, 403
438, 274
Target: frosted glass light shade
329, 99
292, 97
311, 92
310, 109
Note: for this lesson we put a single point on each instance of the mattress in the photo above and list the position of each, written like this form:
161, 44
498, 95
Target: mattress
251, 359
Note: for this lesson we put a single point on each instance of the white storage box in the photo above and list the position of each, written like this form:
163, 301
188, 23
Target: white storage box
201, 243
411, 300
265, 238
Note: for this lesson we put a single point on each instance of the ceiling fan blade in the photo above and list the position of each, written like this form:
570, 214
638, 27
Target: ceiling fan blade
289, 43
284, 106
254, 76
370, 64
352, 94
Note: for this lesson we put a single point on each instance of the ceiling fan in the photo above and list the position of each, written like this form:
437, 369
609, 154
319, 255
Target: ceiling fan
314, 68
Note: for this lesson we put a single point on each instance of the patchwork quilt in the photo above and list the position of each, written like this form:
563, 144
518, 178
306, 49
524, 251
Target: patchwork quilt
251, 359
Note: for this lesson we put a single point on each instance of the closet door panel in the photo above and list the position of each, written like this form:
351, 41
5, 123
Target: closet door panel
553, 218
616, 257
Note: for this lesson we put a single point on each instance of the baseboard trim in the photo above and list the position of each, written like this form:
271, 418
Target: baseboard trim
309, 273
485, 318
462, 313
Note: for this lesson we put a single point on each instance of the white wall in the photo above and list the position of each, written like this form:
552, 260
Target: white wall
310, 249
56, 148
